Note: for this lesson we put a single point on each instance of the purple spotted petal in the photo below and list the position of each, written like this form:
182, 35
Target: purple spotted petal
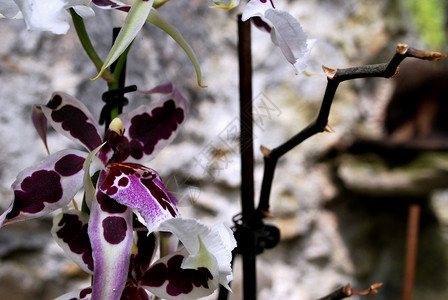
41, 189
70, 117
40, 123
150, 128
110, 232
83, 294
165, 88
111, 4
139, 187
135, 293
70, 232
168, 280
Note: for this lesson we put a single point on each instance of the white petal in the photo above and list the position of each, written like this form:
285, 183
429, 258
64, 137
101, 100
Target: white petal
288, 34
255, 8
45, 15
8, 8
219, 243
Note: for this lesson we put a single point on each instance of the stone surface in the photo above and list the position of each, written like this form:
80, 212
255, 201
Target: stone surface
330, 235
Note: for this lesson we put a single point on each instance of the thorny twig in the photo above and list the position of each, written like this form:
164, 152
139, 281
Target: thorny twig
347, 291
334, 77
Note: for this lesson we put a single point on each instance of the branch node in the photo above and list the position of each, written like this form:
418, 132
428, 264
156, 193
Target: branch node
327, 128
329, 72
402, 49
266, 151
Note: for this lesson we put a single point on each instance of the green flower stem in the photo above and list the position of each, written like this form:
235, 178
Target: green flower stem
118, 69
87, 45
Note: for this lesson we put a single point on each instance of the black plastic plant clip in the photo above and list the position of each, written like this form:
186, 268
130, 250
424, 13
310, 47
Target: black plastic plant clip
254, 240
114, 99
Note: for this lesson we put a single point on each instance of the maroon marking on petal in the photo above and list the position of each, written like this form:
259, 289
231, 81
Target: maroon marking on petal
69, 165
262, 25
75, 121
109, 205
114, 229
75, 235
148, 130
85, 292
180, 281
55, 102
42, 186
160, 195
117, 170
135, 293
123, 181
136, 150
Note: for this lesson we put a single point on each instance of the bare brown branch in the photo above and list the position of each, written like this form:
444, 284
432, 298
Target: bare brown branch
334, 77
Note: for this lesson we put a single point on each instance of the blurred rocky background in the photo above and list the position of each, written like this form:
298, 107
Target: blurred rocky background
340, 200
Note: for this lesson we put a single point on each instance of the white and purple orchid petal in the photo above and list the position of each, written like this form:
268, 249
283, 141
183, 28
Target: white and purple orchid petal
82, 294
133, 292
111, 4
286, 31
289, 35
44, 188
40, 123
70, 233
70, 117
218, 243
140, 188
149, 128
133, 23
110, 232
256, 8
167, 278
158, 20
225, 5
165, 88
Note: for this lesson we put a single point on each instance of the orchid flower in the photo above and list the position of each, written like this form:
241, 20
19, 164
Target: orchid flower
286, 31
43, 15
192, 272
103, 240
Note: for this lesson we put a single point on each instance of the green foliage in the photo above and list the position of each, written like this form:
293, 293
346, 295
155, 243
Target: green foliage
429, 17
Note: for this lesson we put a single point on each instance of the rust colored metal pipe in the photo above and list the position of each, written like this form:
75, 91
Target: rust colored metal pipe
411, 250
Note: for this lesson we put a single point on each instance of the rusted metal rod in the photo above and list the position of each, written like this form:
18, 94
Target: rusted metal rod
411, 250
